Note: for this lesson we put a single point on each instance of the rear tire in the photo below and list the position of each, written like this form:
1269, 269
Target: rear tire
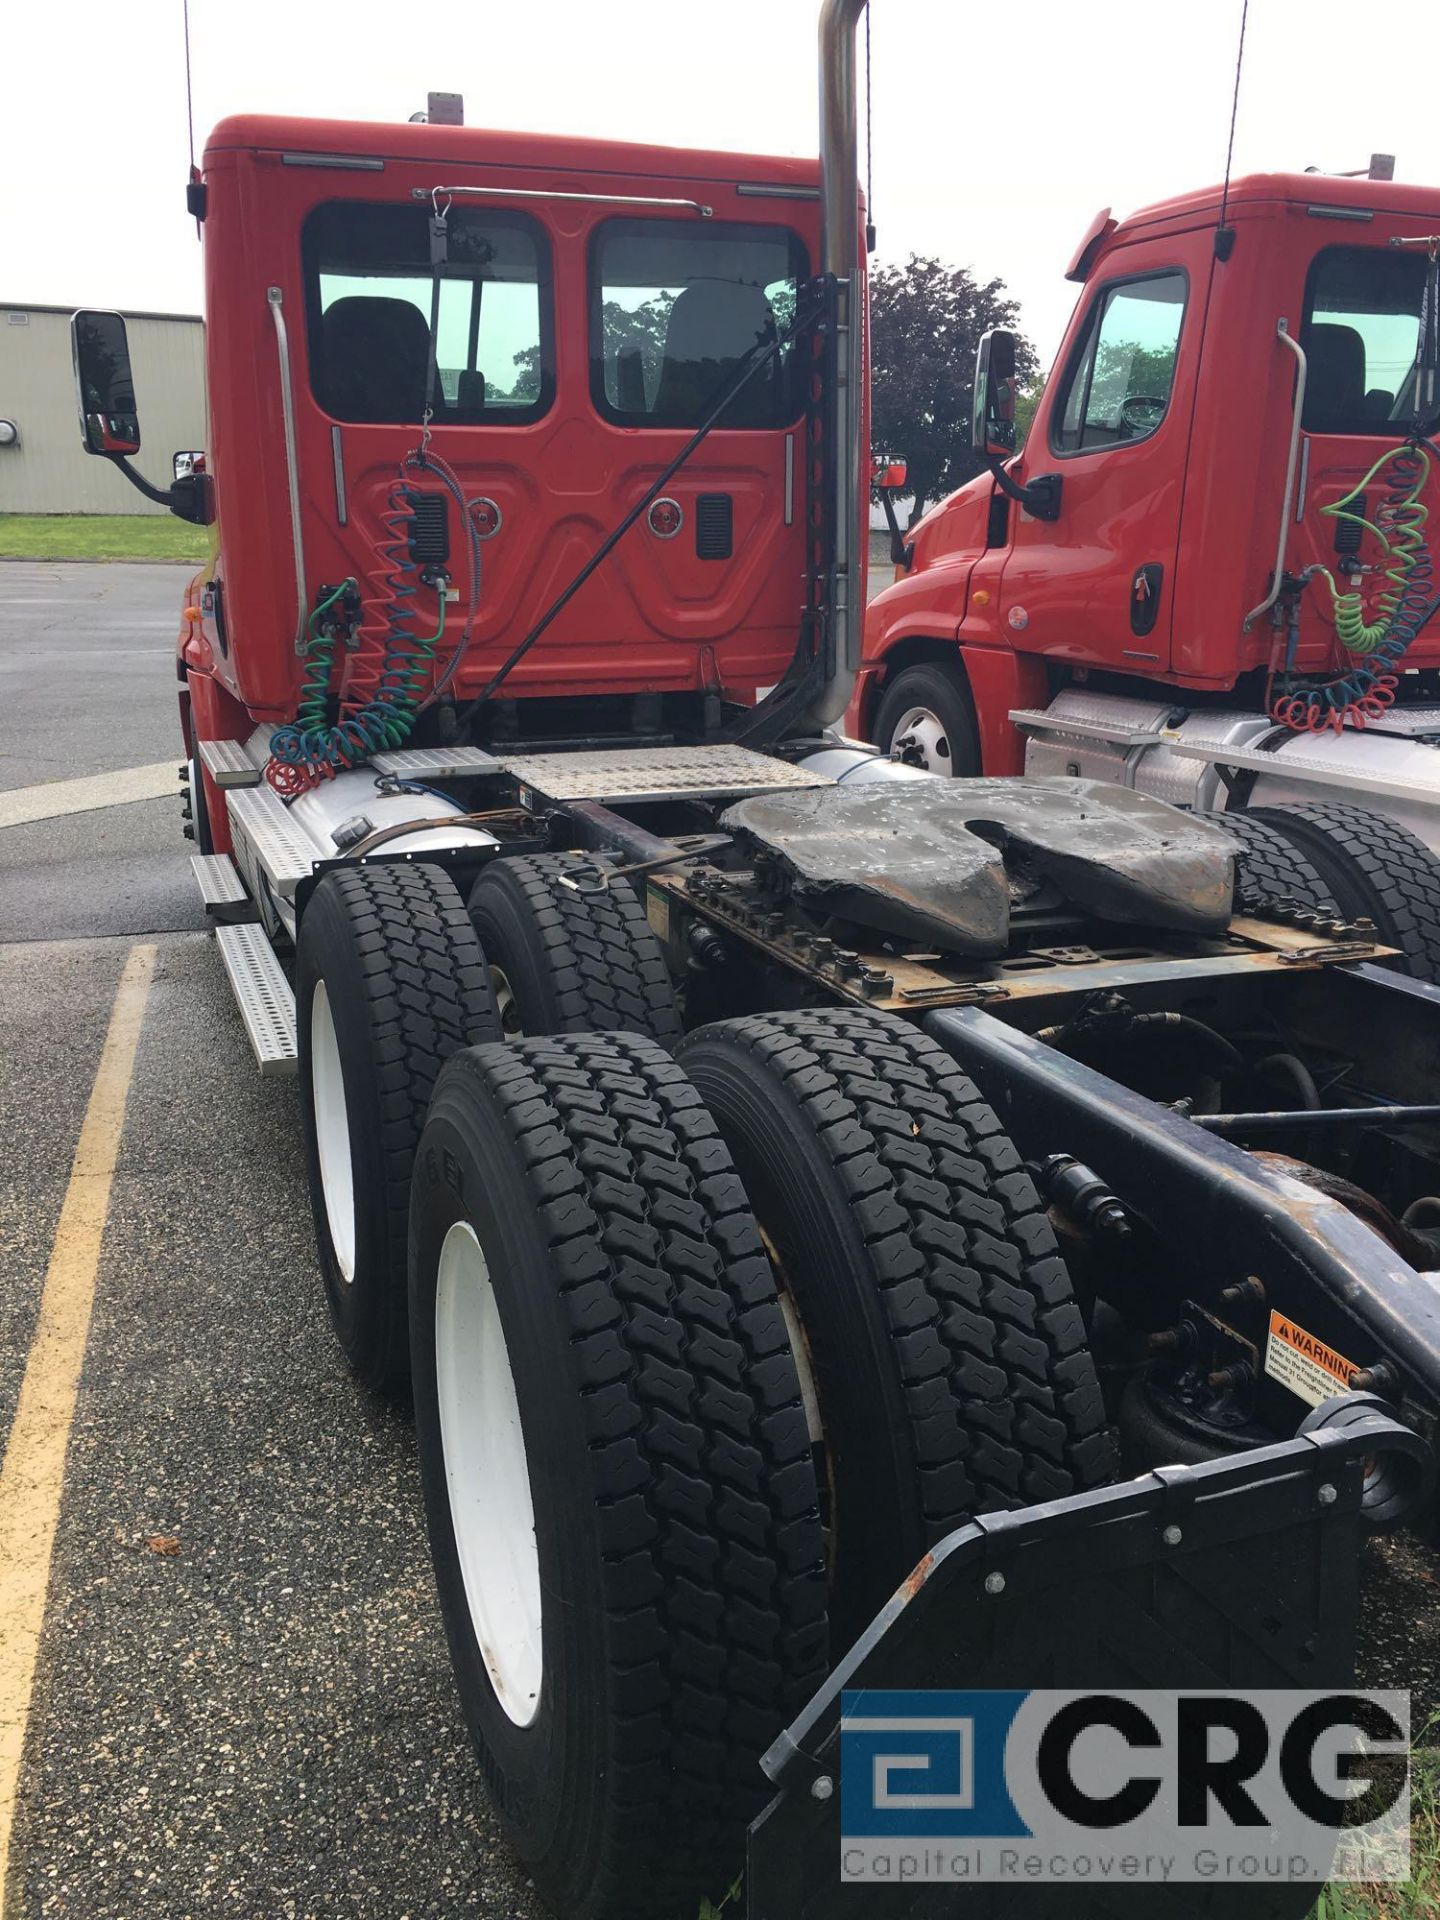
931, 706
1377, 870
676, 1532
1271, 871
389, 982
949, 1358
564, 961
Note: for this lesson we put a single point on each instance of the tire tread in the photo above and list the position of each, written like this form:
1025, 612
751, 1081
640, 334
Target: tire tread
603, 964
699, 1468
1003, 1402
1271, 871
427, 995
1377, 868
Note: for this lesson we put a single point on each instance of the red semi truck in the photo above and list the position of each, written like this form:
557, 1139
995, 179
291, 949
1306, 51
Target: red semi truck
1208, 573
696, 1104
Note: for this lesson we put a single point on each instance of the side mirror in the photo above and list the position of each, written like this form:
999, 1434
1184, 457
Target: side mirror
992, 426
889, 477
104, 384
992, 431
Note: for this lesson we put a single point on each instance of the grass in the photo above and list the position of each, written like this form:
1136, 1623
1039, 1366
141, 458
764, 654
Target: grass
136, 536
100, 536
1416, 1899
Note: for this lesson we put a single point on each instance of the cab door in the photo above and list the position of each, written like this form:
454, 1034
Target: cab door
1094, 586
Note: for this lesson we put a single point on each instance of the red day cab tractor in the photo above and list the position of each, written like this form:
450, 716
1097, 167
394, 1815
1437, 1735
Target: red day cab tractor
800, 1194
1209, 574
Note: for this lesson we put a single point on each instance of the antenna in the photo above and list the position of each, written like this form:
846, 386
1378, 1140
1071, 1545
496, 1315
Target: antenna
1225, 236
189, 97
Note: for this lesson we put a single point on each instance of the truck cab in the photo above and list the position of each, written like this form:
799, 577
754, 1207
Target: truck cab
549, 320
1197, 462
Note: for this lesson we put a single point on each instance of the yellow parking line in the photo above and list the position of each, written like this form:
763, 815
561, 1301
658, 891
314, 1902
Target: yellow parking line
34, 1466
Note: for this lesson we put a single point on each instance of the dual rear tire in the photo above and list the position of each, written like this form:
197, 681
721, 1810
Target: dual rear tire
667, 1478
392, 978
731, 1460
1345, 862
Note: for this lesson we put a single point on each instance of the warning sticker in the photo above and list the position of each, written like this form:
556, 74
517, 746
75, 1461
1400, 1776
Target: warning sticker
657, 912
1304, 1364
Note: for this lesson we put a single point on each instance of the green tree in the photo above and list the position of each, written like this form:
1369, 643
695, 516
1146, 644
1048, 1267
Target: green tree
926, 320
1026, 402
1127, 370
642, 327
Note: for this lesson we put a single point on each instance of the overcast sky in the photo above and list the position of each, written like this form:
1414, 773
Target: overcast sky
1000, 129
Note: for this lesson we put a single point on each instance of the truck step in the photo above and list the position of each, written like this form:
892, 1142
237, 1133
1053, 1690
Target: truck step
1111, 734
267, 838
433, 763
220, 885
228, 764
1334, 768
263, 995
712, 772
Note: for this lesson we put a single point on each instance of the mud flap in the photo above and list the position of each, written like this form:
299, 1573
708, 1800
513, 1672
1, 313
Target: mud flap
1240, 1573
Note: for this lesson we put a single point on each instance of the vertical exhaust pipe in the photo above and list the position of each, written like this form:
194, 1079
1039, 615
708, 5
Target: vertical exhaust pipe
844, 408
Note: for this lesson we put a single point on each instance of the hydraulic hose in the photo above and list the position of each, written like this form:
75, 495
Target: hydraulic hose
1293, 1069
1075, 1038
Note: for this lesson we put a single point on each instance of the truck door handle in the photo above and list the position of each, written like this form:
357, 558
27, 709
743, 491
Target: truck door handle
1145, 597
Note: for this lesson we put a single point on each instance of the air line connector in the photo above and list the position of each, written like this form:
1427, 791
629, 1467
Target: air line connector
1080, 1193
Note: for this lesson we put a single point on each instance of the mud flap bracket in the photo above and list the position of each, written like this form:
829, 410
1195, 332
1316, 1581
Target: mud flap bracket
1239, 1573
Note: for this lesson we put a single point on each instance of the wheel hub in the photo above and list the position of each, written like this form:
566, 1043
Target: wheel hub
921, 741
332, 1132
487, 1474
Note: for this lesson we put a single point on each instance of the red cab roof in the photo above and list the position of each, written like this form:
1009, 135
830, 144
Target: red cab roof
488, 147
1303, 189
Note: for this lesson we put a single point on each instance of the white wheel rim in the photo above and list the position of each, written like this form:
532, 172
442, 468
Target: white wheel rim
487, 1475
332, 1132
927, 742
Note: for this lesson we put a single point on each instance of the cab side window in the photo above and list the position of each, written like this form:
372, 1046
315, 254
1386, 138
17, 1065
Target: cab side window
674, 309
370, 291
1118, 383
1361, 335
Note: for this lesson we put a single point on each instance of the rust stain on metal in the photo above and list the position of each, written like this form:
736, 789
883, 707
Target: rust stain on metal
915, 1580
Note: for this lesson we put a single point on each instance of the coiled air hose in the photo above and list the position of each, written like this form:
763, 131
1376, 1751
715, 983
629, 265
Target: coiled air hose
387, 675
1366, 690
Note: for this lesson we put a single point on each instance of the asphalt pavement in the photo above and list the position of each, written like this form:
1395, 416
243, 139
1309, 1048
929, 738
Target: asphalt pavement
242, 1703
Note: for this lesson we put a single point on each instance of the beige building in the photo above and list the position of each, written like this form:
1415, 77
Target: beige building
43, 467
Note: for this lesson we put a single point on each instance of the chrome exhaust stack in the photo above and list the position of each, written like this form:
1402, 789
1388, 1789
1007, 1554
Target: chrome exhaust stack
844, 404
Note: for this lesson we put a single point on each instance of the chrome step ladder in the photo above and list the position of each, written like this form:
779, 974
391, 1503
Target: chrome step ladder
263, 995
